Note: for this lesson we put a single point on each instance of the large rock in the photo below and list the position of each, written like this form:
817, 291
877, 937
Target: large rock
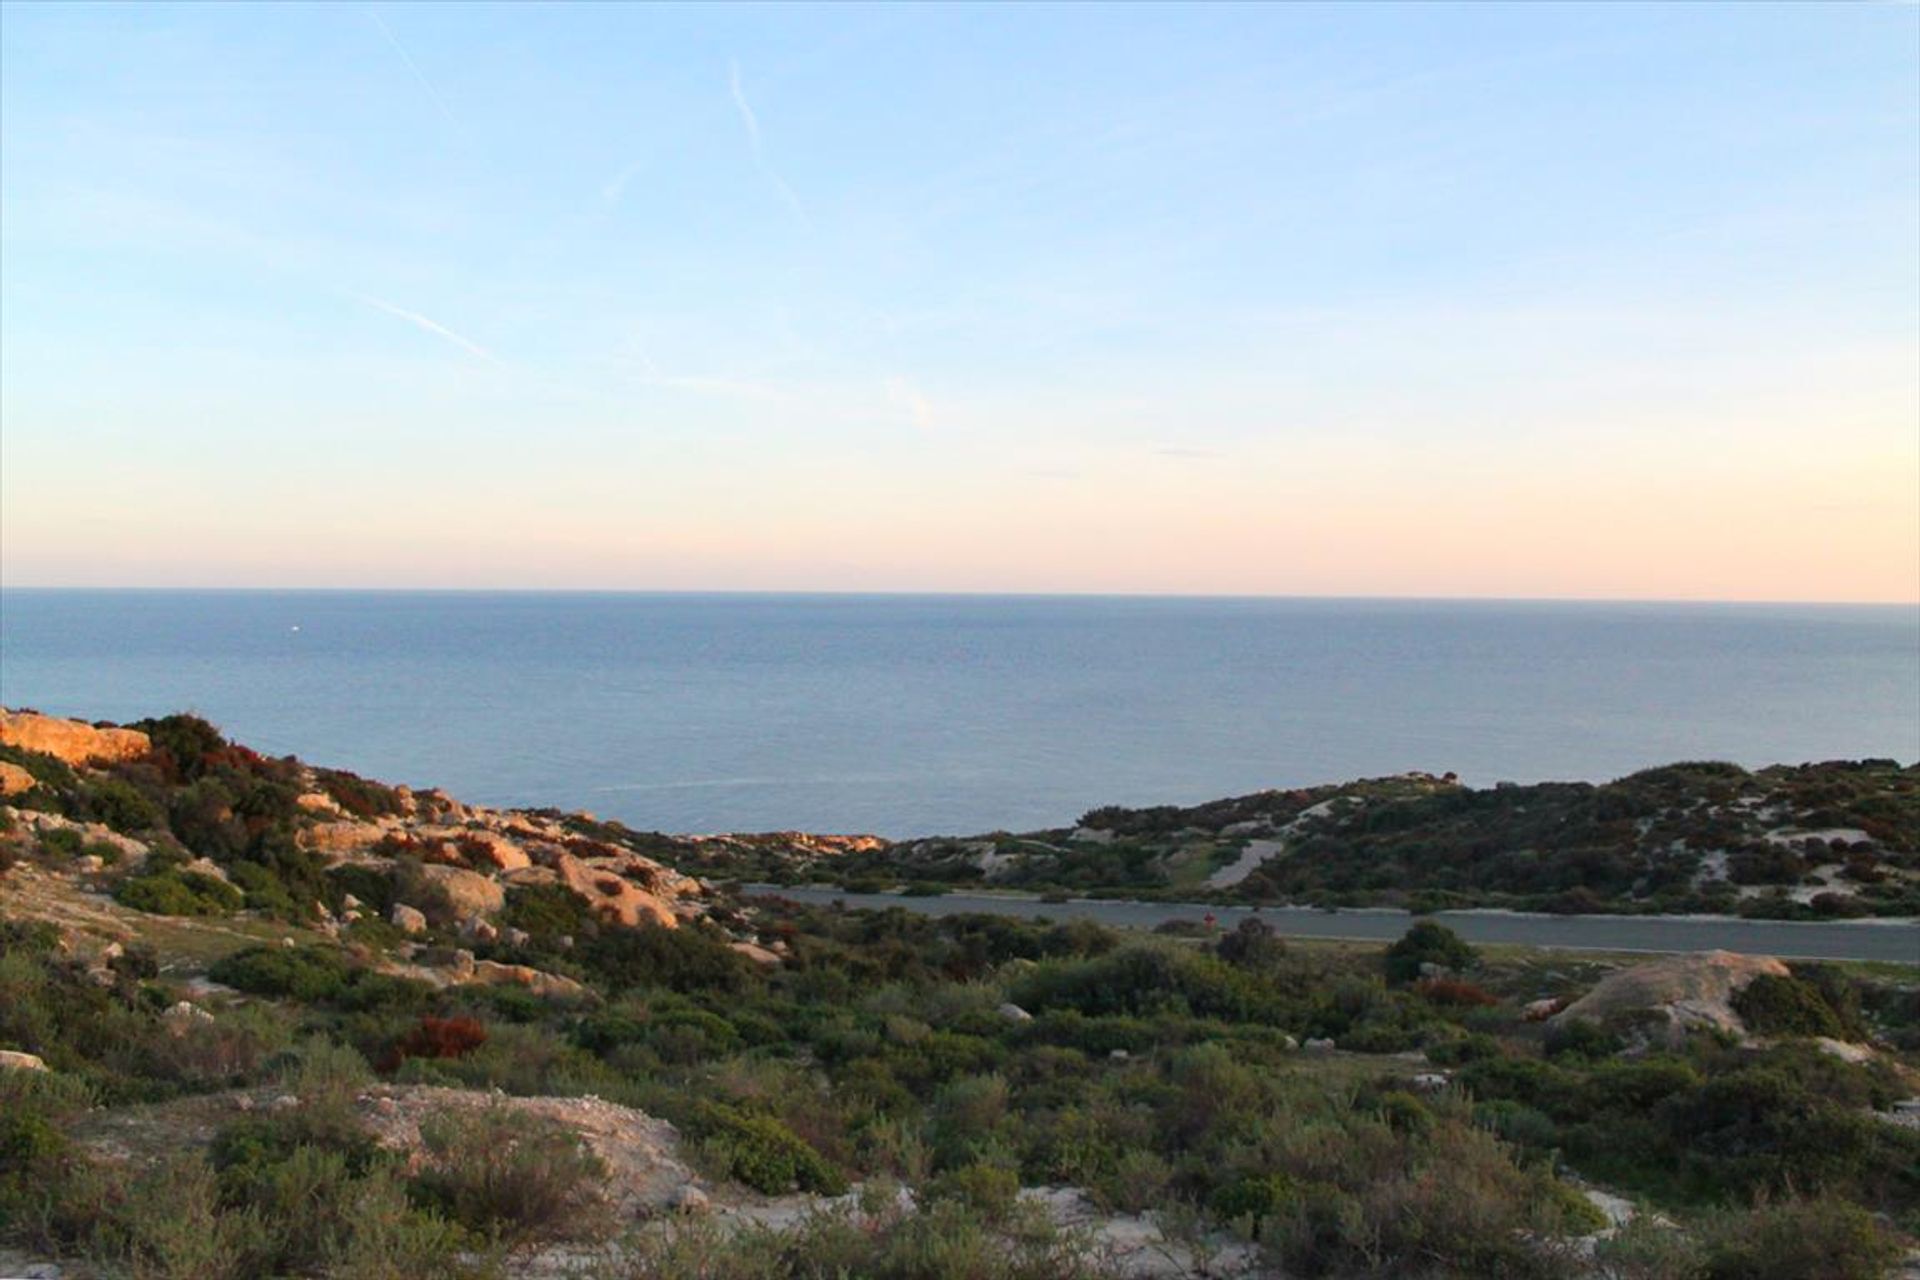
462, 894
408, 919
14, 779
1684, 992
550, 986
756, 953
611, 895
73, 741
337, 839
91, 832
14, 1060
480, 848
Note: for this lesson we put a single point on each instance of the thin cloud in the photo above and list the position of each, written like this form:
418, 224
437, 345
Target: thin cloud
746, 108
635, 357
616, 187
439, 102
428, 325
752, 123
1188, 453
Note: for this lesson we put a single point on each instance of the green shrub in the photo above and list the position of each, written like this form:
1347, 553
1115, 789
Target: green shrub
61, 842
359, 796
1252, 1199
173, 892
1427, 943
1800, 1240
373, 886
316, 975
107, 851
50, 772
1775, 1006
507, 1175
121, 805
760, 1151
989, 1192
182, 743
689, 958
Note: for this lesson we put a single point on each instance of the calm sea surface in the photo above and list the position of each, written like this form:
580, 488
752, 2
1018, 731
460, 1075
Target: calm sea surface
910, 715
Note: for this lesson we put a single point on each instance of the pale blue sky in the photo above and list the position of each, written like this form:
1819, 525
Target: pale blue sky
1510, 300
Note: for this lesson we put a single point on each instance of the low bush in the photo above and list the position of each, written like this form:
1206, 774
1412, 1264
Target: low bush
121, 805
1427, 943
61, 842
988, 1192
1776, 1006
317, 975
1453, 993
507, 1175
759, 1150
435, 1037
173, 892
1823, 1239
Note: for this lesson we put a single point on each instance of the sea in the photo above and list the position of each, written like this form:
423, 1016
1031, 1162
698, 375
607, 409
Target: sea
911, 715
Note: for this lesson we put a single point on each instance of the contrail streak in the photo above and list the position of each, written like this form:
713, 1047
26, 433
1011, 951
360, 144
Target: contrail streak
445, 111
752, 122
428, 325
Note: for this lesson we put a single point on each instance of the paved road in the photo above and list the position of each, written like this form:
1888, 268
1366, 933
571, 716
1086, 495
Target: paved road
1856, 940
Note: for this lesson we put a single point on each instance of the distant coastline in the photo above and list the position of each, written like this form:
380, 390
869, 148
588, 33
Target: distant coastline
910, 716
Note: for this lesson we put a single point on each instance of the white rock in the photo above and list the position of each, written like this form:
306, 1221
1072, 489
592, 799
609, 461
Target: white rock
14, 1060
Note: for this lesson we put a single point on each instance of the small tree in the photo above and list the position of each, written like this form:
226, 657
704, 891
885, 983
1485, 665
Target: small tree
1424, 944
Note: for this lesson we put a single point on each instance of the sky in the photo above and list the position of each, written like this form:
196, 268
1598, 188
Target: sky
1509, 300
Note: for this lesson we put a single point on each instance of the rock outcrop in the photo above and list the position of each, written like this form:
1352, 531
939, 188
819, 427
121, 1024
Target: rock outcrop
456, 894
623, 888
73, 741
14, 779
342, 839
1679, 993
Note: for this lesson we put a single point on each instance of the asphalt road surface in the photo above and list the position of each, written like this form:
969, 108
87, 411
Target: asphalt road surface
1895, 941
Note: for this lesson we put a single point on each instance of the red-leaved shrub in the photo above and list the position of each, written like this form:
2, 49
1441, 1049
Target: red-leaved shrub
440, 1038
1454, 992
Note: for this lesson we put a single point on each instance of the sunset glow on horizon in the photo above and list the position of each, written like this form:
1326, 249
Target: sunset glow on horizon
1365, 301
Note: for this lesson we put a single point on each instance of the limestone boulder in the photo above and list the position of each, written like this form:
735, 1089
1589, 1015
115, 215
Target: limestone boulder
14, 1060
408, 919
339, 839
611, 896
756, 953
89, 832
73, 741
14, 779
486, 848
319, 802
1674, 994
461, 894
548, 986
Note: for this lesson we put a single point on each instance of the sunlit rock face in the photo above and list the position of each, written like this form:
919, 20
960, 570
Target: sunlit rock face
73, 741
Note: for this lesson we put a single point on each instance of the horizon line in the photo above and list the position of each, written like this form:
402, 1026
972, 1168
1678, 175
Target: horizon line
924, 594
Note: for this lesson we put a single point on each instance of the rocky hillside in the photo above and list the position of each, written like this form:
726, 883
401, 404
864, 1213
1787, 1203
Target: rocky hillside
1817, 840
1837, 839
261, 1018
167, 817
